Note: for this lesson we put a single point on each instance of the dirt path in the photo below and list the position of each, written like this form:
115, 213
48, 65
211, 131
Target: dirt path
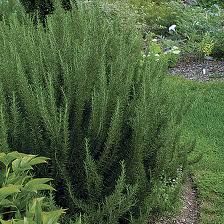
190, 211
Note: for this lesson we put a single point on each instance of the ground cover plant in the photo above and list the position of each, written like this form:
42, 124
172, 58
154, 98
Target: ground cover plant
205, 123
79, 91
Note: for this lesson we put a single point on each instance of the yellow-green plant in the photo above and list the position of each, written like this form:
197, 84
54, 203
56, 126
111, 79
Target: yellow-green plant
19, 191
207, 45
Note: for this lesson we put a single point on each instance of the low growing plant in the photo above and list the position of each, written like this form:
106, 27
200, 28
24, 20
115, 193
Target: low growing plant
20, 200
207, 45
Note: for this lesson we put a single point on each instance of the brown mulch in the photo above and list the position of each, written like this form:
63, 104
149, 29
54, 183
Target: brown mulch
193, 70
189, 213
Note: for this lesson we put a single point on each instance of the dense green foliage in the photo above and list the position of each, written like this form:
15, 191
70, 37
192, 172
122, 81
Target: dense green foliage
45, 7
207, 3
79, 92
199, 27
202, 29
20, 199
156, 16
36, 9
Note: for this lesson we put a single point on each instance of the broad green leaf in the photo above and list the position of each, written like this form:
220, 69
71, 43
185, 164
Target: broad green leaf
38, 184
6, 222
38, 211
5, 203
16, 154
41, 187
25, 161
52, 216
18, 166
9, 190
2, 158
6, 159
16, 179
35, 202
38, 160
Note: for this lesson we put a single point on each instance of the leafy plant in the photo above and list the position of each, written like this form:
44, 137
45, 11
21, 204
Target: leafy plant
78, 92
209, 3
202, 30
207, 45
19, 191
157, 50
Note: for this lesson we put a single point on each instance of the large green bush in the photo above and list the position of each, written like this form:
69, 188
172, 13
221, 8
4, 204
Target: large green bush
81, 93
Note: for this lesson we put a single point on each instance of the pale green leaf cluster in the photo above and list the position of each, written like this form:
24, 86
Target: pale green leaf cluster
19, 191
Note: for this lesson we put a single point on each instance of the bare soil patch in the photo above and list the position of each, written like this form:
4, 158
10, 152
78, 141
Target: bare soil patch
207, 70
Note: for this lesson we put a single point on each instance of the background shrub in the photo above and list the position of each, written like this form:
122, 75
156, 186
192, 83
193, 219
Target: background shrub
196, 24
80, 92
156, 16
209, 3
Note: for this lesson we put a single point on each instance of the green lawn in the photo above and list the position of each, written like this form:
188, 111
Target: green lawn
205, 121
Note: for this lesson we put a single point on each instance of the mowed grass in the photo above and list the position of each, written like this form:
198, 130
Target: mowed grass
205, 122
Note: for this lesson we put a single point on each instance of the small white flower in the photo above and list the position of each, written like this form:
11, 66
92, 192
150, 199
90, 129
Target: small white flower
175, 48
154, 40
172, 28
157, 55
176, 52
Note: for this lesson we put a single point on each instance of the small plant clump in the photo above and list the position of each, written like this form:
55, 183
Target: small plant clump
20, 198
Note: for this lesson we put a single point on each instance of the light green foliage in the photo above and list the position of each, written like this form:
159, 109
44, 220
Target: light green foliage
155, 16
35, 215
19, 191
207, 45
161, 52
79, 92
209, 3
197, 24
159, 16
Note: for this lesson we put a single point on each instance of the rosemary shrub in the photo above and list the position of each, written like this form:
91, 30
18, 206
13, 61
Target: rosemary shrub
79, 92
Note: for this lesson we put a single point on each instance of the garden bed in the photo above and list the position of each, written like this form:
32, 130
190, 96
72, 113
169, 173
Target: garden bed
200, 70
